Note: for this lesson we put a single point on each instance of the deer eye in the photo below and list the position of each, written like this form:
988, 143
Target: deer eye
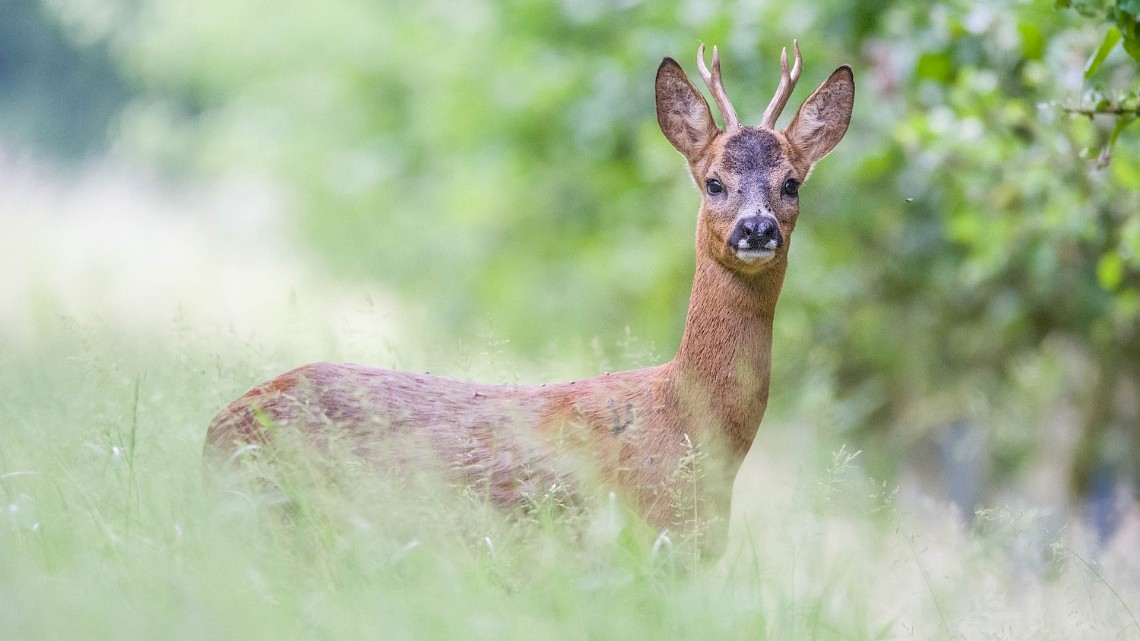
791, 187
713, 186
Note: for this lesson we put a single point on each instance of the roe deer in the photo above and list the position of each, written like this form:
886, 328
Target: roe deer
631, 432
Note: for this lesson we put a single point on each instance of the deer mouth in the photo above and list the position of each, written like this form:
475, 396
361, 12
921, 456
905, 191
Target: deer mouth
755, 255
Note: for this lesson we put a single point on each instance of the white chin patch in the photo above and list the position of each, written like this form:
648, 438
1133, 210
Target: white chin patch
755, 255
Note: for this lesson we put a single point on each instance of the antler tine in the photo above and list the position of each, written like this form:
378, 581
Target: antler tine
716, 86
787, 84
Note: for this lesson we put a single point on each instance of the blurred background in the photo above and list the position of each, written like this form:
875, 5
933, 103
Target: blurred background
479, 188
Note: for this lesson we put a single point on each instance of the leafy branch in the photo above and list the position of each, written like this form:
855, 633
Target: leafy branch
1109, 110
1123, 17
1126, 110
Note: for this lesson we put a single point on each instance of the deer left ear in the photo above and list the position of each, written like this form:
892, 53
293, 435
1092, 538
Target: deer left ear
682, 112
823, 118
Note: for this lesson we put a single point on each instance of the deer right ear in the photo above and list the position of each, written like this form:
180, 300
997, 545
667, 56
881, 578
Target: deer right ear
682, 112
824, 116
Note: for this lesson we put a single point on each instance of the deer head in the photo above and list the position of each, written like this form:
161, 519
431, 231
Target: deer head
750, 176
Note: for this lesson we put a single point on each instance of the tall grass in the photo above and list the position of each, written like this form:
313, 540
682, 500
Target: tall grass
107, 533
106, 530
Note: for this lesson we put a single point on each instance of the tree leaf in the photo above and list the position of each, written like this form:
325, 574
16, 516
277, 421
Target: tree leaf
935, 66
1127, 12
1121, 123
1032, 41
1110, 270
1105, 156
1133, 48
1111, 37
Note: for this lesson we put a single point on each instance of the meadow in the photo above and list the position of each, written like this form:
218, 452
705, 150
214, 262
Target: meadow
106, 531
195, 197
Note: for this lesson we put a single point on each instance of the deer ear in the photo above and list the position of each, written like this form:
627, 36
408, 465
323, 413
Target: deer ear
823, 118
682, 112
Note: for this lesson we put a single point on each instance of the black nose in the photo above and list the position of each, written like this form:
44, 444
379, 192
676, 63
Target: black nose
756, 232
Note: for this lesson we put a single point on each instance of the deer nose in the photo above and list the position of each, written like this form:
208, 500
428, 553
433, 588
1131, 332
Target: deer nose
756, 232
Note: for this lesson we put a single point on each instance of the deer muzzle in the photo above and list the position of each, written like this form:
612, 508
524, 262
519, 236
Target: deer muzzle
755, 238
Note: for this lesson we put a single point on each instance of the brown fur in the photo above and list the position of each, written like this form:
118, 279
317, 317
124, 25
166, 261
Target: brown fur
632, 432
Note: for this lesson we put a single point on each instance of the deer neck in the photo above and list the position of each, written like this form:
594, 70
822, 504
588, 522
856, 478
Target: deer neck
723, 366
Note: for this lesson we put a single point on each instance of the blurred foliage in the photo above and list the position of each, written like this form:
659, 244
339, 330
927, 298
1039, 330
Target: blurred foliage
481, 155
1123, 20
961, 256
1123, 15
59, 90
1008, 239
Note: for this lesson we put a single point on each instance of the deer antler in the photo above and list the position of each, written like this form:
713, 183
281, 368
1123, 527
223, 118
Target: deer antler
716, 86
784, 91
